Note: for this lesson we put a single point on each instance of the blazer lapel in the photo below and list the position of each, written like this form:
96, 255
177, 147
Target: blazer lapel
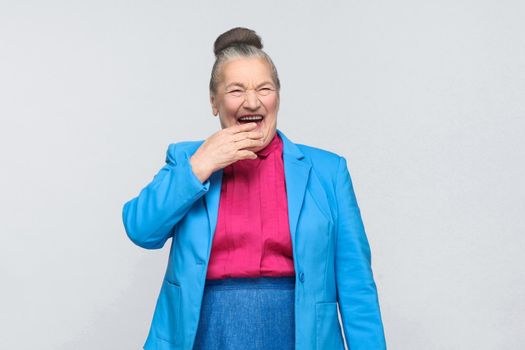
211, 200
296, 173
212, 196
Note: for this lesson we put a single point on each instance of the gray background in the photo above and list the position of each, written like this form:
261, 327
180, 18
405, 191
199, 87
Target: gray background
424, 99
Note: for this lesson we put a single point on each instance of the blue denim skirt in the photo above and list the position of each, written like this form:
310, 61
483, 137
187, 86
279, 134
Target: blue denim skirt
247, 313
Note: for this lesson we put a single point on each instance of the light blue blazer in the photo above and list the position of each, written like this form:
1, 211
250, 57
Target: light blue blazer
331, 252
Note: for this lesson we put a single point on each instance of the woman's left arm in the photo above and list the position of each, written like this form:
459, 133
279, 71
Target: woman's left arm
356, 289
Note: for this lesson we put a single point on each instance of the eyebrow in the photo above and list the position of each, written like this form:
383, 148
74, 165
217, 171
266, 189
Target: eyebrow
242, 85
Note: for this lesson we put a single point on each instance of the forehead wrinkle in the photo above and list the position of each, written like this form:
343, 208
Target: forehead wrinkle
235, 83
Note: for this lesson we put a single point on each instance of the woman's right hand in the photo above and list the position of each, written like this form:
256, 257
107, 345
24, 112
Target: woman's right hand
224, 148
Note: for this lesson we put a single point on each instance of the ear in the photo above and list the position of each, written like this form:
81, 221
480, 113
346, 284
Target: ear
213, 102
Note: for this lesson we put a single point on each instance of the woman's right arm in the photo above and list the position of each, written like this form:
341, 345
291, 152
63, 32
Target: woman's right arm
150, 217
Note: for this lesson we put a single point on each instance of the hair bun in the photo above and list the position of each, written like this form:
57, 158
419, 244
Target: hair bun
237, 36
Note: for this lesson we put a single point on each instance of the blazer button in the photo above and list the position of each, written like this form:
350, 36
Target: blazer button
301, 277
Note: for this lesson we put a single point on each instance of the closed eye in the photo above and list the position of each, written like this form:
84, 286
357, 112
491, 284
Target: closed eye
265, 91
236, 93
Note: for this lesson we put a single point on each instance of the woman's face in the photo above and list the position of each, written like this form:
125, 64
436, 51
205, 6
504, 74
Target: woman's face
246, 88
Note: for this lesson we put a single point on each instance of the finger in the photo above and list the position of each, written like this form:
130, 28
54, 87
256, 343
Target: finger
247, 135
245, 154
241, 127
248, 143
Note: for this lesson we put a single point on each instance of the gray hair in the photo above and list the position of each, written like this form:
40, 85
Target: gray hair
239, 43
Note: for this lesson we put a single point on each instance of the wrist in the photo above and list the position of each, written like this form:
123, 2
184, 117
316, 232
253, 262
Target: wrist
199, 169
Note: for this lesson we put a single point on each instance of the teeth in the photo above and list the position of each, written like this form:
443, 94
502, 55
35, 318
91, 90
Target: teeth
252, 117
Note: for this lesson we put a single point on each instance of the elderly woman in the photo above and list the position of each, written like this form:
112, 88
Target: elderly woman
267, 236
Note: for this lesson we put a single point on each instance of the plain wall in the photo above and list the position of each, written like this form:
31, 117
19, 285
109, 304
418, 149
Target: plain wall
424, 99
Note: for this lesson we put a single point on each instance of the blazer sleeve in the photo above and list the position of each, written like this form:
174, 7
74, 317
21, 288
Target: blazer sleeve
150, 217
356, 289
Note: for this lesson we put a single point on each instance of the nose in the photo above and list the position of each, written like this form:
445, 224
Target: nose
251, 100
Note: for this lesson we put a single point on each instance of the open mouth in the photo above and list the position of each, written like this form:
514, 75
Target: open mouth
248, 118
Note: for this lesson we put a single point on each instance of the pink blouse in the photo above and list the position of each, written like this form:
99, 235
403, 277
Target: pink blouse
252, 238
